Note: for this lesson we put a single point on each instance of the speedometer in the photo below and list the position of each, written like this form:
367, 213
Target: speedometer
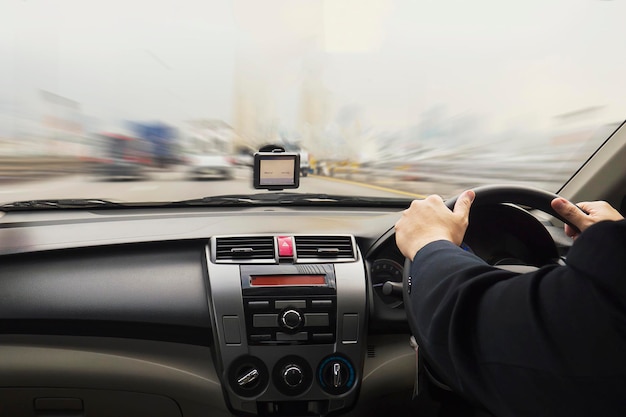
384, 270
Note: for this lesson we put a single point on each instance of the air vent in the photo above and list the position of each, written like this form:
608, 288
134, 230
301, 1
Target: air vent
245, 248
371, 351
325, 247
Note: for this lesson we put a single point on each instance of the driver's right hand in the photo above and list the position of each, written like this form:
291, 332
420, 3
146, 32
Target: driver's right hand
429, 220
584, 214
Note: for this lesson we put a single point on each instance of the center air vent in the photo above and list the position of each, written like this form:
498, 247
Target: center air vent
245, 248
325, 247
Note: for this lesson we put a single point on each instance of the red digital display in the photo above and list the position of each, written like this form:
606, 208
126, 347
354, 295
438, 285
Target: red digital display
267, 280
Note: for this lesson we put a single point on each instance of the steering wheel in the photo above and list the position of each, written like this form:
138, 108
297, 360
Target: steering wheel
487, 195
516, 194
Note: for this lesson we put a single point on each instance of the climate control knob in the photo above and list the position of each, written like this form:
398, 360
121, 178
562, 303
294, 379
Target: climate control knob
336, 375
292, 375
291, 319
248, 376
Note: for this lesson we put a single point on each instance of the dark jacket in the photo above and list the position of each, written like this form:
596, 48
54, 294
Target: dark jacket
546, 343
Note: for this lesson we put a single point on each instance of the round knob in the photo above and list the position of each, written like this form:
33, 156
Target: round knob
247, 377
336, 375
293, 375
291, 319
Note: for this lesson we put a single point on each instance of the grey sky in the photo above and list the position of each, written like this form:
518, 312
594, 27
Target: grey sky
505, 63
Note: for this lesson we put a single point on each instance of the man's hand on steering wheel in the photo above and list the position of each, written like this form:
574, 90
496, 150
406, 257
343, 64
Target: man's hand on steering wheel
429, 220
583, 215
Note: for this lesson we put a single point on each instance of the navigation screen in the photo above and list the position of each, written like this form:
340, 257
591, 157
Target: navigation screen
279, 171
276, 171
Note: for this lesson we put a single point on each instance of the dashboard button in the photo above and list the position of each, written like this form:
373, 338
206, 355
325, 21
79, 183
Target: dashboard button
280, 304
231, 326
285, 246
316, 319
323, 337
350, 328
265, 320
259, 305
260, 337
321, 303
297, 337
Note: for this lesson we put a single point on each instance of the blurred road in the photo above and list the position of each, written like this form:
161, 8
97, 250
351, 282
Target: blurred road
172, 186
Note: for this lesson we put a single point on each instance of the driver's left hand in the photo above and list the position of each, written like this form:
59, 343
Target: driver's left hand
429, 220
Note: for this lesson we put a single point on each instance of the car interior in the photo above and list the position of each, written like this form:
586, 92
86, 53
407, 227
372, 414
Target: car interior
198, 198
240, 309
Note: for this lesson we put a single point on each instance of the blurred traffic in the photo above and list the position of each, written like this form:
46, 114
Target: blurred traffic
213, 150
114, 157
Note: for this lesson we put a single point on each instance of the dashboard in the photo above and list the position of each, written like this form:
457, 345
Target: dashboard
266, 311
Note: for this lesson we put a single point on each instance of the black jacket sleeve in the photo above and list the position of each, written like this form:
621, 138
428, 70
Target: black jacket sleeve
551, 342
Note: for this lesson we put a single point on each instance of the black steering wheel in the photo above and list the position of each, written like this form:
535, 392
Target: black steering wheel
516, 194
525, 196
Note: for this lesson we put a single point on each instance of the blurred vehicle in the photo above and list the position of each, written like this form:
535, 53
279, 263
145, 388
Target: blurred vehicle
305, 157
210, 167
305, 163
160, 140
244, 159
120, 157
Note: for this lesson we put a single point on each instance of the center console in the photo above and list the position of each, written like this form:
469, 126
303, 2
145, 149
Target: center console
288, 321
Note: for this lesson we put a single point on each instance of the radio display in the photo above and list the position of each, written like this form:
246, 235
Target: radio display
287, 280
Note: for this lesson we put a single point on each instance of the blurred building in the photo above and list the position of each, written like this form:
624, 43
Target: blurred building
62, 123
210, 136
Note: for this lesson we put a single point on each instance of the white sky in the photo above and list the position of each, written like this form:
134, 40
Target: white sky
507, 65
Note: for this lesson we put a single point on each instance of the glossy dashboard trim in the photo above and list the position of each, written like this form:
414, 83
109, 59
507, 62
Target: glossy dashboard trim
147, 283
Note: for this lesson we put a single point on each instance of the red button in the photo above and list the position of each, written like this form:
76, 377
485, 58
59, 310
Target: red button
285, 246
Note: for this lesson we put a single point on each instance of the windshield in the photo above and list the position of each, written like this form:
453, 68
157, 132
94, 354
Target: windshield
152, 101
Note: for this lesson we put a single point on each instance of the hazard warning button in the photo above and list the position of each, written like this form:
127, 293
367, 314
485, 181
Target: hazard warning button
285, 246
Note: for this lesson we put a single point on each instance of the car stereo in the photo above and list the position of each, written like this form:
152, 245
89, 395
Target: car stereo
289, 304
